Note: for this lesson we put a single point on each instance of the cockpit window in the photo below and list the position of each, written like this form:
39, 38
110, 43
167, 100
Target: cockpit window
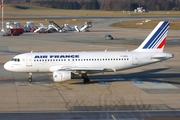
16, 59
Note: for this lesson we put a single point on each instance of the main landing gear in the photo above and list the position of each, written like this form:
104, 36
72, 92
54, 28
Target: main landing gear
85, 78
30, 77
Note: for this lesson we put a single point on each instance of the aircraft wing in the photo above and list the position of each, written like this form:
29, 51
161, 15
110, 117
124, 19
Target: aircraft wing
88, 69
81, 68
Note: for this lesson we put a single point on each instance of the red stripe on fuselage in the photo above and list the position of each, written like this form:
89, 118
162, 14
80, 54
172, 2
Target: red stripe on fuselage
162, 43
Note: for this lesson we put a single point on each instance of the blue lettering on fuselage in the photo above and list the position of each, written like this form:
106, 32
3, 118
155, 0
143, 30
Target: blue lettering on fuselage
40, 56
56, 56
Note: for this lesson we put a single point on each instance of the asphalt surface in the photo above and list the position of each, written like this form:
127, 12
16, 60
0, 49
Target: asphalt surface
147, 92
92, 115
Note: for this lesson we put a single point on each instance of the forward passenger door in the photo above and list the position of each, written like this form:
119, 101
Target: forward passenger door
28, 60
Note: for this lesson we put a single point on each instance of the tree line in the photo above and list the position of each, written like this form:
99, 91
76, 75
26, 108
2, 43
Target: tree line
115, 5
93, 4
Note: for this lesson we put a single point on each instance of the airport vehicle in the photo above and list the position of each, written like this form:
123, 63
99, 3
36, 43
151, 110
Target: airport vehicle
54, 27
13, 32
84, 27
13, 29
108, 37
64, 64
41, 29
29, 27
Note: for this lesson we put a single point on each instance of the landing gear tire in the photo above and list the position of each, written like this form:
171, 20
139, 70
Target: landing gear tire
30, 77
30, 80
85, 78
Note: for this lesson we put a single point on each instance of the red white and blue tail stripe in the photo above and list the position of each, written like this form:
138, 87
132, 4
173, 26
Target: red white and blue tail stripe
156, 40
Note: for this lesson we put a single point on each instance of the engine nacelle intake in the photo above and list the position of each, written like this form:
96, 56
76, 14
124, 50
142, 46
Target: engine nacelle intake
59, 76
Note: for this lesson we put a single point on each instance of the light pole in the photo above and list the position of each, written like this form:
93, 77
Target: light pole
2, 7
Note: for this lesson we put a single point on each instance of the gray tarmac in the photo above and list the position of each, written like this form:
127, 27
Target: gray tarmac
93, 115
155, 87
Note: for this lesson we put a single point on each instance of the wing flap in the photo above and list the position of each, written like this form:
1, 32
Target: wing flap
82, 68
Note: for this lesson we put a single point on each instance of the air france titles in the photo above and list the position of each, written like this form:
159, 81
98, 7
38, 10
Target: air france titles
56, 56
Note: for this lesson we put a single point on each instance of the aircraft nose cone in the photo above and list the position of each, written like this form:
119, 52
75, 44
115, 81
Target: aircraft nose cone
7, 66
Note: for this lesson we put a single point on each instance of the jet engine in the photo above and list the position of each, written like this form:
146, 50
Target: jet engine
59, 76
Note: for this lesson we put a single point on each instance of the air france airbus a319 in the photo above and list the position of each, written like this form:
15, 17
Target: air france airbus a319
64, 64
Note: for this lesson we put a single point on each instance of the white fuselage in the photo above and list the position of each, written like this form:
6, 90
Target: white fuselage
104, 61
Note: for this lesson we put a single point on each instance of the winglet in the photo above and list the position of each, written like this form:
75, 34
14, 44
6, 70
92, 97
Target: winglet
156, 39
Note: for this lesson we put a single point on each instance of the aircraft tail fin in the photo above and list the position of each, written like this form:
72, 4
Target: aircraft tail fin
156, 39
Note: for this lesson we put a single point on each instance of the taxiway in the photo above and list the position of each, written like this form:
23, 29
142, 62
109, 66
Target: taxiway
153, 87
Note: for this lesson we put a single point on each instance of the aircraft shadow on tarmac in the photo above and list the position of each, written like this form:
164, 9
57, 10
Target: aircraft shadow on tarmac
144, 76
153, 75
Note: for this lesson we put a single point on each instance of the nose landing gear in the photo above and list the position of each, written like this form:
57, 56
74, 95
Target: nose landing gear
30, 77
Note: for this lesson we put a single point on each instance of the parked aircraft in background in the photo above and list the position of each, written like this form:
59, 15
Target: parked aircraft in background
64, 64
